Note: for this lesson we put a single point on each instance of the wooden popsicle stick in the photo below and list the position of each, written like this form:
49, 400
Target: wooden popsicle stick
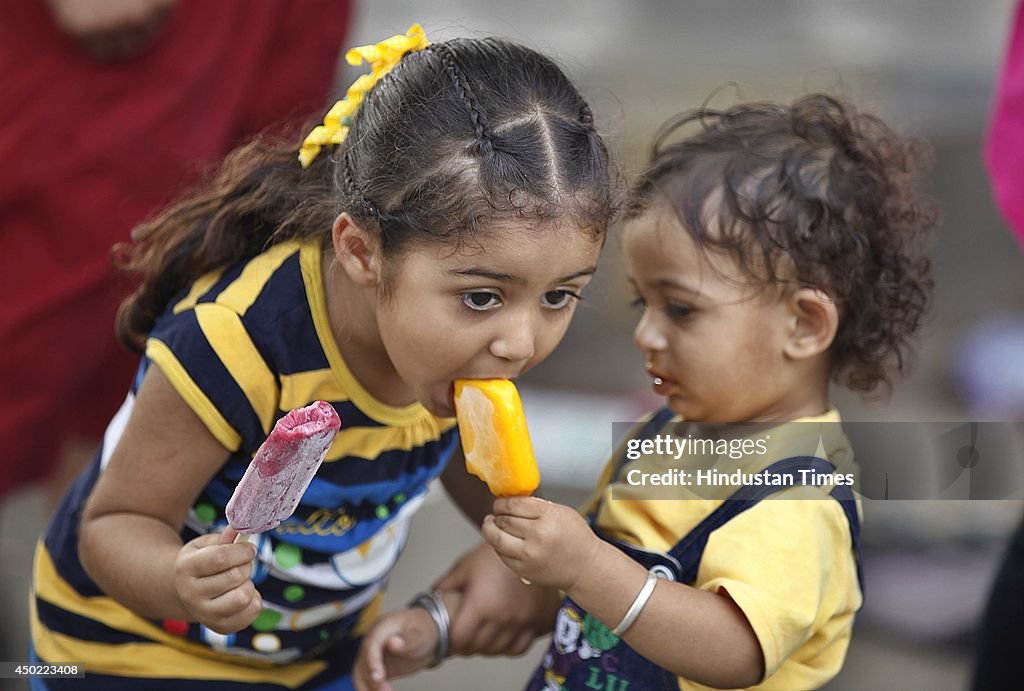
230, 536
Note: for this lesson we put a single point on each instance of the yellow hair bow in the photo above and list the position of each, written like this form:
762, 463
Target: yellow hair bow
382, 58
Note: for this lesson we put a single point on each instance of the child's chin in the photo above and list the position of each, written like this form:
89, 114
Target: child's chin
679, 408
440, 410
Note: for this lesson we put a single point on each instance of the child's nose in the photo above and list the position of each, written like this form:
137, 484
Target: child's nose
647, 336
516, 340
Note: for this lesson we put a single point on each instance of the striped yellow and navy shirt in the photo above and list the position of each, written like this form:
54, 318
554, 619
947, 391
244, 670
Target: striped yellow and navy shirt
244, 346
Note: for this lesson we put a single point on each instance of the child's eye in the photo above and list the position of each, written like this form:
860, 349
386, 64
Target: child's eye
677, 311
559, 299
481, 301
638, 303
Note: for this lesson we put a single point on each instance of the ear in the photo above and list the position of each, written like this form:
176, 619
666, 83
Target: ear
813, 321
356, 251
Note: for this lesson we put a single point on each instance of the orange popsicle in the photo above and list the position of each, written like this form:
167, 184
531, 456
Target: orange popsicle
495, 440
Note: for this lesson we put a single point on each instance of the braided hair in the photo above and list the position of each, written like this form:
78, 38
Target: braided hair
453, 139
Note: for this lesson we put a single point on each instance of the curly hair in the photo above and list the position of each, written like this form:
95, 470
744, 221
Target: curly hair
813, 193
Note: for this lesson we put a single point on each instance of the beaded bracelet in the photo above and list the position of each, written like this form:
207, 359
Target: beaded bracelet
435, 607
638, 604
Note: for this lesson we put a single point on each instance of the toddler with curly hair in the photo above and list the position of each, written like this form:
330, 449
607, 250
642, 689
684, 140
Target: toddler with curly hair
774, 250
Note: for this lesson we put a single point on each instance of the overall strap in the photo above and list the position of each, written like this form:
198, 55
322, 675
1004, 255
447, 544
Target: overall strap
844, 495
648, 431
690, 549
658, 420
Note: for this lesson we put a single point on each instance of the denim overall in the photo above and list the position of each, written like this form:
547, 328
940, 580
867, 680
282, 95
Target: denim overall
585, 654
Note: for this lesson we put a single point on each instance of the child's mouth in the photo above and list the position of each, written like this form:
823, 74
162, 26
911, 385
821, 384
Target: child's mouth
662, 385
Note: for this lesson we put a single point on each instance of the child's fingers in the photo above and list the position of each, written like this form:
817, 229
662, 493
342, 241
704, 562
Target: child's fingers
453, 580
508, 546
492, 640
214, 559
223, 582
204, 541
523, 507
477, 640
373, 654
232, 618
361, 679
235, 602
513, 525
521, 644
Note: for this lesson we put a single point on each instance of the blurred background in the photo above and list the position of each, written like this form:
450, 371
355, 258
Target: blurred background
928, 67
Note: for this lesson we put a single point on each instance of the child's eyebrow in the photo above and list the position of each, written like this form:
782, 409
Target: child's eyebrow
509, 278
678, 285
670, 283
484, 273
589, 271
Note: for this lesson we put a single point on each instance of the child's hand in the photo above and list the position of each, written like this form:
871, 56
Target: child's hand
485, 623
213, 583
546, 543
399, 644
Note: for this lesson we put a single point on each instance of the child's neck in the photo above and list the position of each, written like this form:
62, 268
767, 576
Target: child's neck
351, 312
808, 399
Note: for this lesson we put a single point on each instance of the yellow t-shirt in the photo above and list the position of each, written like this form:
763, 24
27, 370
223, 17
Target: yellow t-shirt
787, 562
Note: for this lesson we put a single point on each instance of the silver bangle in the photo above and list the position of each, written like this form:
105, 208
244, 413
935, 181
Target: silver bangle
638, 604
435, 607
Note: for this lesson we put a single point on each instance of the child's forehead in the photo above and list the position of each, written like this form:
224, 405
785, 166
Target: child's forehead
659, 241
513, 247
659, 225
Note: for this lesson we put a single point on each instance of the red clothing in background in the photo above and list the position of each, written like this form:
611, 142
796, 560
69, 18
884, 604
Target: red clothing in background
87, 150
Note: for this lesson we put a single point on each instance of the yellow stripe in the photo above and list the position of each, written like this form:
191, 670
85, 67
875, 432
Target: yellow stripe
369, 616
161, 354
169, 656
309, 260
244, 290
371, 442
298, 390
198, 289
233, 345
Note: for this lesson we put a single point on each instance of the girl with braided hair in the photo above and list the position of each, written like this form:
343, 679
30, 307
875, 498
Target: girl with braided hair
447, 233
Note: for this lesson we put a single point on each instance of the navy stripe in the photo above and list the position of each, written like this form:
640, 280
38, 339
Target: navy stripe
183, 335
351, 416
61, 537
391, 465
226, 279
280, 333
272, 591
281, 316
350, 481
82, 628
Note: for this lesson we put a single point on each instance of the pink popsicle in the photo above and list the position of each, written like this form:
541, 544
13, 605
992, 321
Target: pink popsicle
282, 469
